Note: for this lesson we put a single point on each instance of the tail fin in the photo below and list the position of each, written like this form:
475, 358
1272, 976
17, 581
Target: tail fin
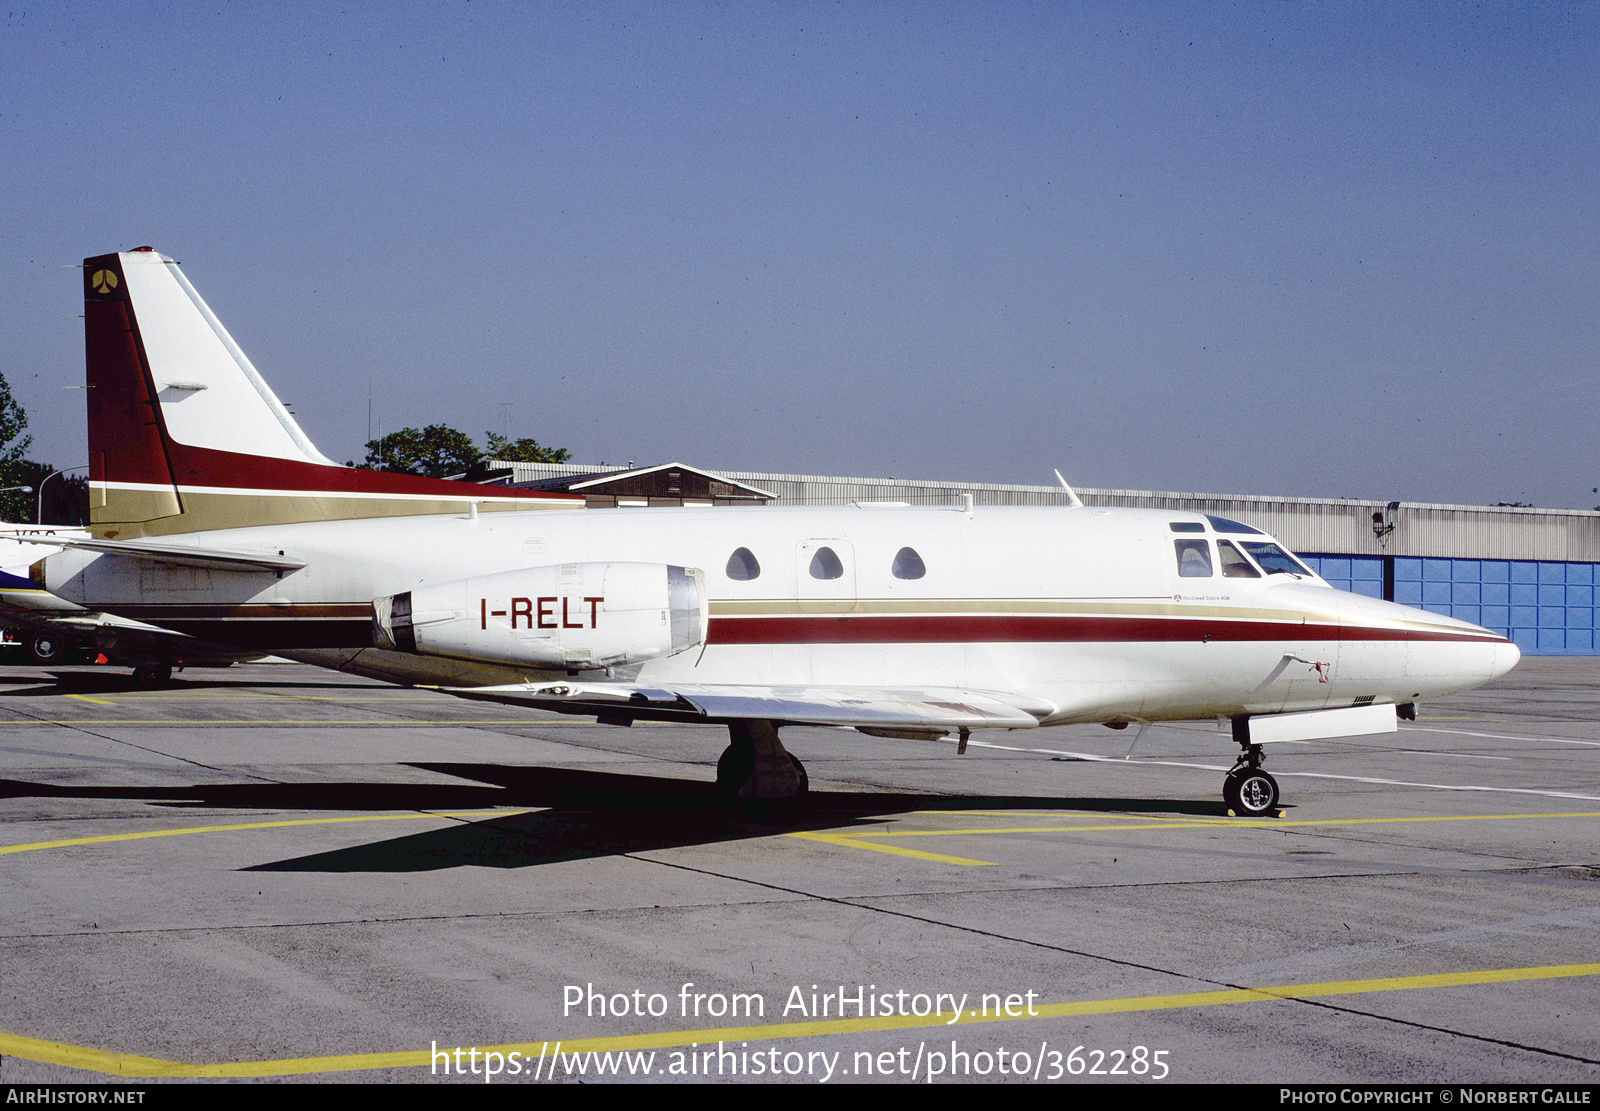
185, 436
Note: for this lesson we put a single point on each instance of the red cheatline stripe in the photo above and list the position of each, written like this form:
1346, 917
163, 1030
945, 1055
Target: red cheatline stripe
198, 466
866, 629
894, 629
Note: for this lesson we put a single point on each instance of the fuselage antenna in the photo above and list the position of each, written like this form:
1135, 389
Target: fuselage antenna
1073, 501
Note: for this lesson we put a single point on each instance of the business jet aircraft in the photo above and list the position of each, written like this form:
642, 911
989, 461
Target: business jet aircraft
219, 531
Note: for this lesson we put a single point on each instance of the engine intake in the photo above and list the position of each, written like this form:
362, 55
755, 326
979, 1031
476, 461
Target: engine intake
570, 616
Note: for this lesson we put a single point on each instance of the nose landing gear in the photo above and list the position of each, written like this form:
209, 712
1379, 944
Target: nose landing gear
1249, 791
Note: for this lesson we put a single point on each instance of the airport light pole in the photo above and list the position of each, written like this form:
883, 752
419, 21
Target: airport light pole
39, 514
8, 489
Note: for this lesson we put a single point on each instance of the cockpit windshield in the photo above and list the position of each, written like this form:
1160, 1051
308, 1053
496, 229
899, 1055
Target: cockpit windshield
1234, 565
1273, 559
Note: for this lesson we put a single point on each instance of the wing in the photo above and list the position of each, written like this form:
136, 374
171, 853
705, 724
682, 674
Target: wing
913, 709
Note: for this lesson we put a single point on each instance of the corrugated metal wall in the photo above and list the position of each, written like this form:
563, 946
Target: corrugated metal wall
1303, 524
1545, 607
1529, 574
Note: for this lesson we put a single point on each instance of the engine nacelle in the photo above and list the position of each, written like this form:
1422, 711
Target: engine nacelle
571, 616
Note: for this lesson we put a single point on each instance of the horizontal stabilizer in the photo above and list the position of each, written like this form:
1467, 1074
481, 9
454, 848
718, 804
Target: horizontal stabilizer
182, 554
927, 708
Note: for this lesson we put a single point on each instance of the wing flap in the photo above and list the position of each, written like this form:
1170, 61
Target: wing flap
925, 707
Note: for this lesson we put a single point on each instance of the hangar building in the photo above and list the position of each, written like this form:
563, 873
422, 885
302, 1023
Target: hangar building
1530, 574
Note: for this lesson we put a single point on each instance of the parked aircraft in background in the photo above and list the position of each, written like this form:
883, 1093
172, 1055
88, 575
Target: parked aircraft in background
217, 529
44, 628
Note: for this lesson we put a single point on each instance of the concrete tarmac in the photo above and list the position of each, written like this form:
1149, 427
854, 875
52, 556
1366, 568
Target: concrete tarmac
275, 872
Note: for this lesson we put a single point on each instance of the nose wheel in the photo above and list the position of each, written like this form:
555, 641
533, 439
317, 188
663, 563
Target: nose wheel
1249, 791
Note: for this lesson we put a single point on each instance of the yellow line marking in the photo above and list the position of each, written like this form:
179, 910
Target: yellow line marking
856, 839
1221, 823
146, 835
849, 842
852, 839
290, 721
1042, 814
184, 696
96, 701
132, 1065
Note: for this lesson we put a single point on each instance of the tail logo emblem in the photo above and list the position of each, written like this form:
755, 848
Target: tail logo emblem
103, 281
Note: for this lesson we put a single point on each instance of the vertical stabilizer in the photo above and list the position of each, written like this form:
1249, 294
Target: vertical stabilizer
130, 476
185, 436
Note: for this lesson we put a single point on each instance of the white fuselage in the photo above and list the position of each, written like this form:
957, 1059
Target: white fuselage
1082, 608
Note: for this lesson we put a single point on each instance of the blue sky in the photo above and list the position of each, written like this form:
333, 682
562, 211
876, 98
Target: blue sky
1341, 250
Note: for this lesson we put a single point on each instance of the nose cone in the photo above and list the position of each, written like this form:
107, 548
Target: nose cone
1442, 655
1506, 657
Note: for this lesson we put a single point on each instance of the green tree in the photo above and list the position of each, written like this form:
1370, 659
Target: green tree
15, 505
436, 451
525, 450
66, 496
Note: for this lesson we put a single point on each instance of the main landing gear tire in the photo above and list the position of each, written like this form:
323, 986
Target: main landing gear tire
757, 772
1250, 792
737, 766
46, 649
734, 768
152, 677
800, 770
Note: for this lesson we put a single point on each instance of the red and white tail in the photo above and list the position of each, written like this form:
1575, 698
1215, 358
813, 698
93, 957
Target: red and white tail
185, 436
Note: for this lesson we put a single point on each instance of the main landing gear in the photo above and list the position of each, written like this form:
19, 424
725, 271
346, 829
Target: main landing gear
755, 766
152, 676
45, 649
1249, 791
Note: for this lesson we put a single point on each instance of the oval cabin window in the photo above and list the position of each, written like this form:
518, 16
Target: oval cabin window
825, 565
742, 565
908, 565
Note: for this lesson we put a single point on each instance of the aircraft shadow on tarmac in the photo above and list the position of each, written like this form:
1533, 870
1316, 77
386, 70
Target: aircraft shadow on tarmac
580, 814
97, 681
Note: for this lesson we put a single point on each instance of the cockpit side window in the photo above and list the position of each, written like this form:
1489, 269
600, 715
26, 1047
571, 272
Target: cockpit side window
1234, 565
1194, 559
1273, 559
742, 565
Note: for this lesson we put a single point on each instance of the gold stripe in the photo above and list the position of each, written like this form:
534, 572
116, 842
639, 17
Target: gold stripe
779, 607
203, 511
132, 509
